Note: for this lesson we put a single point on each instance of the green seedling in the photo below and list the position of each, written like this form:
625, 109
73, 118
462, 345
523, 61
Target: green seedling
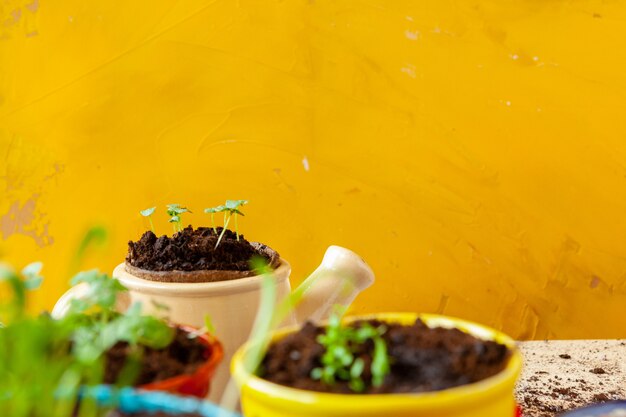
340, 360
212, 211
175, 211
208, 324
231, 209
148, 213
208, 329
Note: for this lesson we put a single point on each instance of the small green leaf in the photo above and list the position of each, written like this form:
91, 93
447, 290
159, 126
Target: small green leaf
32, 279
148, 212
317, 373
208, 323
174, 219
357, 385
380, 362
32, 270
234, 204
259, 265
217, 209
78, 305
357, 368
33, 283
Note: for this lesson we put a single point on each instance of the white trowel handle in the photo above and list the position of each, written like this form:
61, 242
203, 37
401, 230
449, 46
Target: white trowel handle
341, 276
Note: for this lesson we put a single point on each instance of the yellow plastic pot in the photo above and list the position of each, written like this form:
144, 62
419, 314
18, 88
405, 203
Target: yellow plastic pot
492, 397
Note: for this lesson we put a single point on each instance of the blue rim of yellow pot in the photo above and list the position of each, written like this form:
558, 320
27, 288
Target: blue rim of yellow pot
283, 397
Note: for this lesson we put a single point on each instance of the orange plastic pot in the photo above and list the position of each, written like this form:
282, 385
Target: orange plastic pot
197, 384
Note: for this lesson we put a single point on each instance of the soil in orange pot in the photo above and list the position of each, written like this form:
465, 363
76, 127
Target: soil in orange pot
182, 357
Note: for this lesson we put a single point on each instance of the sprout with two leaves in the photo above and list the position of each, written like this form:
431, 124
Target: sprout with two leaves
230, 209
175, 211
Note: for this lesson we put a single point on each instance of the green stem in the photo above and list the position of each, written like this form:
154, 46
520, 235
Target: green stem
213, 222
151, 225
236, 227
223, 231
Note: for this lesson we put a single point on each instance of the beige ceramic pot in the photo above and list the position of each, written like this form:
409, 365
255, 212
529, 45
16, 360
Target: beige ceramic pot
232, 304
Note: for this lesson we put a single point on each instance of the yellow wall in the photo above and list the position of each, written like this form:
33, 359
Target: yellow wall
473, 152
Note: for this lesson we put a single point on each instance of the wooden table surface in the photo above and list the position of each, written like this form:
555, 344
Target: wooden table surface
565, 374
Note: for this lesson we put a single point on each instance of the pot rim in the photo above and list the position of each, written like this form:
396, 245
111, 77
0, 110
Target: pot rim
196, 289
283, 397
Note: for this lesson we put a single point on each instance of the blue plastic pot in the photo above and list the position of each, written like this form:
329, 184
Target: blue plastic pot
598, 410
130, 400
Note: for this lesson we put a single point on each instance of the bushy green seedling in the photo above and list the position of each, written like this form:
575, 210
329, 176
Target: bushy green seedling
339, 360
175, 211
148, 213
99, 326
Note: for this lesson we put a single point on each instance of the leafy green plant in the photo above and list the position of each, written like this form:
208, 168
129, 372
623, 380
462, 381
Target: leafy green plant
99, 326
340, 360
44, 362
175, 211
39, 377
230, 210
148, 213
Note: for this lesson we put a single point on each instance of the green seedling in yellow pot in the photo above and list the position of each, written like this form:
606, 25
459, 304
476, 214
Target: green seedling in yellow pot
340, 360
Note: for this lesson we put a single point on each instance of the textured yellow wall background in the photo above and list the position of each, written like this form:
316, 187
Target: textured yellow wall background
473, 152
